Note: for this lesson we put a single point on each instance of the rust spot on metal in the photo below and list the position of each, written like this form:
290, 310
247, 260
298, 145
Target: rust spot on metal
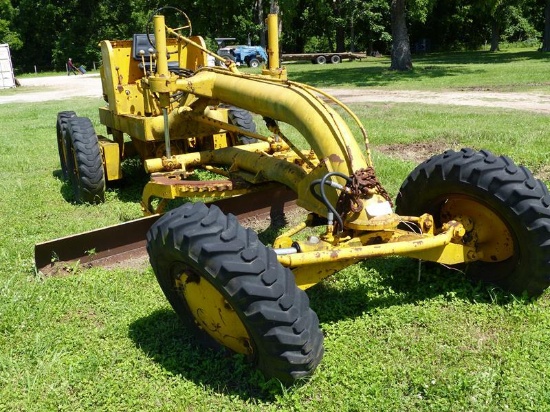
374, 241
363, 184
334, 158
350, 153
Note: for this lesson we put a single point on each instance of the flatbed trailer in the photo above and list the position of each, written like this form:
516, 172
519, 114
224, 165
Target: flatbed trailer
322, 58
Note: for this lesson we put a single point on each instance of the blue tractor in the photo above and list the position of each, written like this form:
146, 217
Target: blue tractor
252, 56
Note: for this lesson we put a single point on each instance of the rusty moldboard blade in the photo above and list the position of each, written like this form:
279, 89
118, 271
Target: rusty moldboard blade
94, 246
113, 245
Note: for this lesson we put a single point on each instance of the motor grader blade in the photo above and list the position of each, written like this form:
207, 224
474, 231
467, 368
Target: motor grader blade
119, 244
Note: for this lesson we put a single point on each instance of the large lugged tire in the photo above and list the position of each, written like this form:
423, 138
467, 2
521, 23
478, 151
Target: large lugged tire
231, 290
85, 165
61, 129
243, 119
508, 208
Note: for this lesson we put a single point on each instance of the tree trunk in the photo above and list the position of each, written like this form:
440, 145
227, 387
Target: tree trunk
340, 39
401, 49
495, 35
260, 20
275, 9
340, 27
546, 38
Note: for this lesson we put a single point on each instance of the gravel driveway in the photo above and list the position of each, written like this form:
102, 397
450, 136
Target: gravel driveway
89, 85
41, 89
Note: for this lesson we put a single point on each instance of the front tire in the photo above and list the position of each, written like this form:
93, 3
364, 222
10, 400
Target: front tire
85, 165
508, 208
231, 290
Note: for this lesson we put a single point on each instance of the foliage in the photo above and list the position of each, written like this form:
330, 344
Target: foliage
7, 33
459, 24
369, 23
45, 33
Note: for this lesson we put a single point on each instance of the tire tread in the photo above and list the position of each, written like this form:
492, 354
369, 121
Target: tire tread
285, 331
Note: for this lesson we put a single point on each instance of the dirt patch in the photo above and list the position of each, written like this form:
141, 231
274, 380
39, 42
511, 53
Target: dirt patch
534, 102
138, 263
420, 152
415, 152
41, 89
543, 173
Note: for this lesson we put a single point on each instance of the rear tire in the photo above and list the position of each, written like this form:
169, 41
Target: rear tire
250, 303
335, 59
509, 209
254, 63
243, 119
84, 162
61, 129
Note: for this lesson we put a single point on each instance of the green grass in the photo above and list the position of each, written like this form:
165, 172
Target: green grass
107, 339
522, 135
502, 71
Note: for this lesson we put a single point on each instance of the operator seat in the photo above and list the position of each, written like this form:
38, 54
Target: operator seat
141, 42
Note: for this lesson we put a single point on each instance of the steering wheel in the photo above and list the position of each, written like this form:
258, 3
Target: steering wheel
176, 11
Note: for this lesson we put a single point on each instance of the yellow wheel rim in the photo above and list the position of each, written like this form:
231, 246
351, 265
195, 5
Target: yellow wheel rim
213, 313
484, 228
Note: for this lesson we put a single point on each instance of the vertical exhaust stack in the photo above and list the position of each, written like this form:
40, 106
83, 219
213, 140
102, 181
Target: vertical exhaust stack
273, 65
273, 41
164, 75
160, 40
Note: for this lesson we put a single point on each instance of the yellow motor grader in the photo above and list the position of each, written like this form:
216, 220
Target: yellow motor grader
469, 208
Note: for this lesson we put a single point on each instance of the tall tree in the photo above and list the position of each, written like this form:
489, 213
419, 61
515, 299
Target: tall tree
368, 24
503, 15
339, 22
401, 49
259, 13
496, 16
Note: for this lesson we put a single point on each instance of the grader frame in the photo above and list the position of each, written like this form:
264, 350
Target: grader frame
467, 208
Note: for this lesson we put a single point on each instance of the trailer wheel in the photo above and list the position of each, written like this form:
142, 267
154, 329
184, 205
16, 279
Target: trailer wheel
61, 129
243, 119
232, 292
321, 59
84, 162
335, 59
507, 207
